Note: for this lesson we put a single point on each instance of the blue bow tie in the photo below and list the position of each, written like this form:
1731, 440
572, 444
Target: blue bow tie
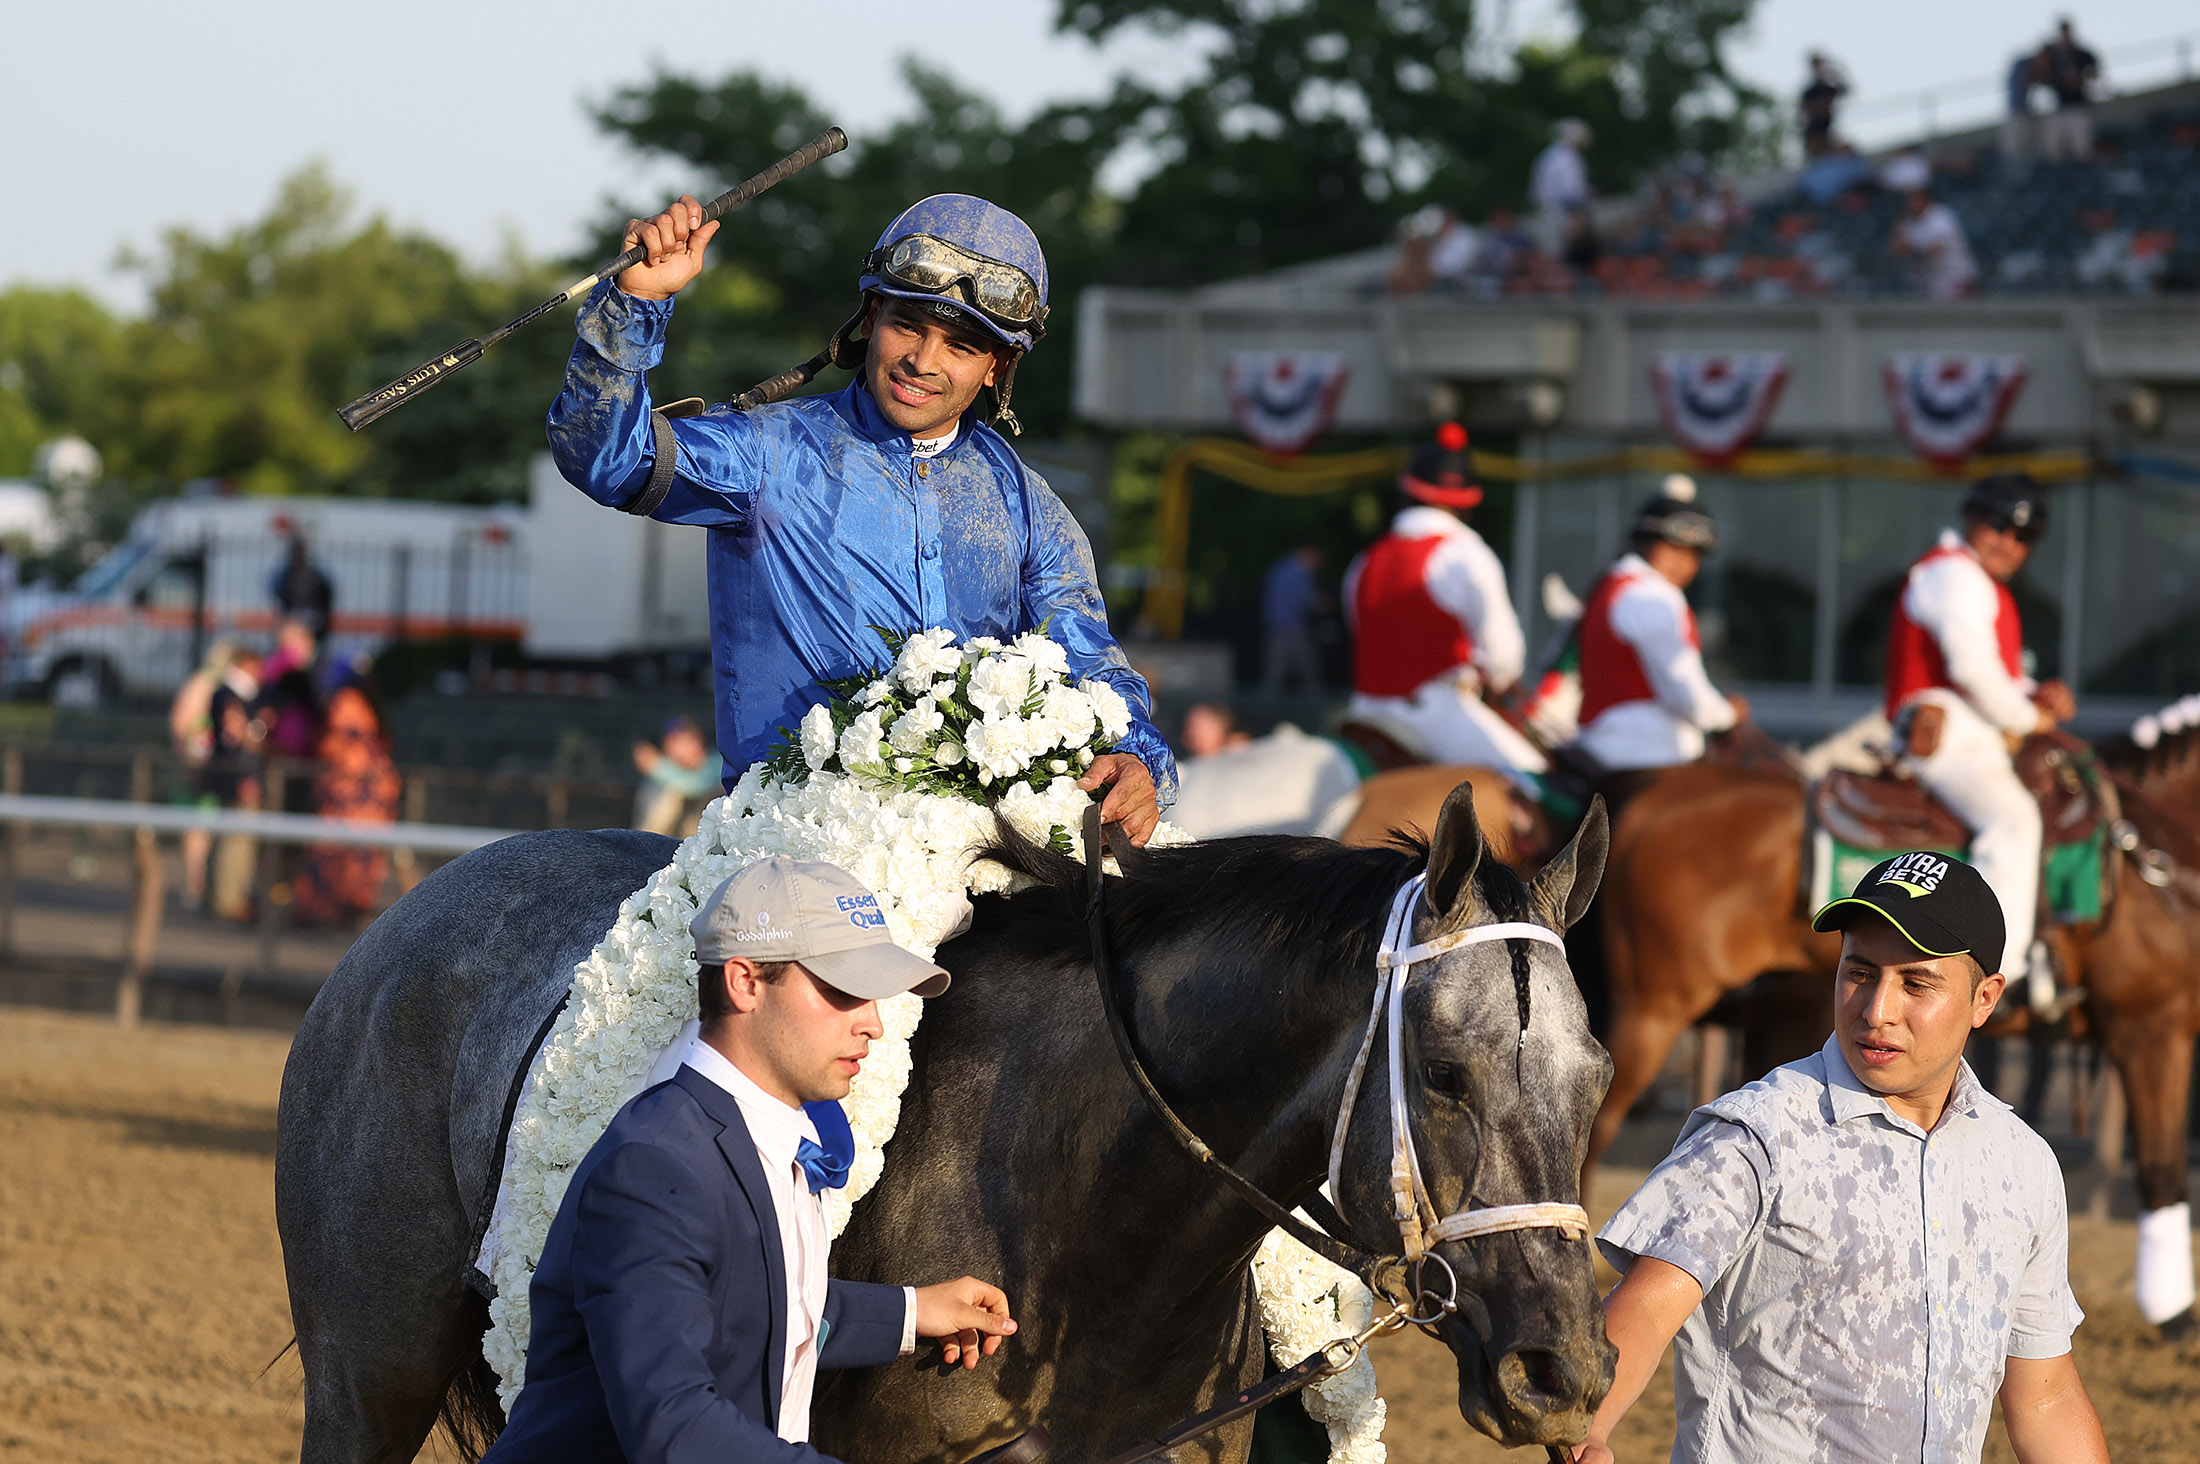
826, 1164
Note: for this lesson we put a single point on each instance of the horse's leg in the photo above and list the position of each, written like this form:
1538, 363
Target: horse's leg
368, 1405
2155, 1061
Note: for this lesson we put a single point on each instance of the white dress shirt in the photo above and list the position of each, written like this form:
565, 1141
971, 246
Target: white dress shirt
1956, 602
778, 1131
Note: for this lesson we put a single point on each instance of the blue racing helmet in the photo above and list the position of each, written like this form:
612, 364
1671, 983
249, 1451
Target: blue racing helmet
960, 251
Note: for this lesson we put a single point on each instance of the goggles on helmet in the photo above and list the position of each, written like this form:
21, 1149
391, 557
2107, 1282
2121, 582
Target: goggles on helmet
937, 266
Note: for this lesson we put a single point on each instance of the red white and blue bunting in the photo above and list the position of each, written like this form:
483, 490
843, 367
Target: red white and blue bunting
1283, 400
1948, 404
1714, 402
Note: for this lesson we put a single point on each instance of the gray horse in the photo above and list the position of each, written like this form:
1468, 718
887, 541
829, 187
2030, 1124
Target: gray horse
1023, 1153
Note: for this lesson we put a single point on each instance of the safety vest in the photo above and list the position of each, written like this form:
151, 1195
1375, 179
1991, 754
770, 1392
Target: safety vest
1611, 672
1403, 639
1914, 659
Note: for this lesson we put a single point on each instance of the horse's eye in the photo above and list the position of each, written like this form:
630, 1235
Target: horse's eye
1444, 1077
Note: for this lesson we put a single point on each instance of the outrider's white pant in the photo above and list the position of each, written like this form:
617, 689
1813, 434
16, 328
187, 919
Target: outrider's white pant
1970, 772
1453, 726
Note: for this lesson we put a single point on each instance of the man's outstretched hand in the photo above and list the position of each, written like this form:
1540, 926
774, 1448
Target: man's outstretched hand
1131, 799
969, 1316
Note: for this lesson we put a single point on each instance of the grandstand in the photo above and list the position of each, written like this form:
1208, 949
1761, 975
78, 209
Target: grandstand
2086, 298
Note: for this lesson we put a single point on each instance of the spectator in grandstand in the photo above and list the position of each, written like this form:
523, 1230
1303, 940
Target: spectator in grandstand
1559, 187
1931, 236
680, 776
2019, 130
1434, 251
1646, 701
301, 591
1821, 94
1501, 247
2067, 132
1290, 599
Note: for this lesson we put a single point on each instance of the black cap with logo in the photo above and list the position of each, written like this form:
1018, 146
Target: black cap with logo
1940, 904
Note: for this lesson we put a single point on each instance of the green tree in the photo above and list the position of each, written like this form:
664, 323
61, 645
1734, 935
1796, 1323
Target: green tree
1316, 126
59, 352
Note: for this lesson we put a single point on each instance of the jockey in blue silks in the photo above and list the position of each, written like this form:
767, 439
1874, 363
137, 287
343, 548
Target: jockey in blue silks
891, 502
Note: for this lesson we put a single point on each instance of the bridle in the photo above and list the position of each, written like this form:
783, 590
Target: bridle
1420, 1228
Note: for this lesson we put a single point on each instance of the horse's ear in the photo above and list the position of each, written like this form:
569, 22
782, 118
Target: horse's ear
1567, 884
1456, 851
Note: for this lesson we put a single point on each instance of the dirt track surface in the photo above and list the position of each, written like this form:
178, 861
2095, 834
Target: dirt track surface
141, 1284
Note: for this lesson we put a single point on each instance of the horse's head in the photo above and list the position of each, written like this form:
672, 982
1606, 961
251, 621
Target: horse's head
1502, 1079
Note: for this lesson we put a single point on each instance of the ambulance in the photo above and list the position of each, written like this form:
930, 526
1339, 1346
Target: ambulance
195, 570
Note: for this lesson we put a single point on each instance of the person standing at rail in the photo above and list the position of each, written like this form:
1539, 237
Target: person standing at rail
1646, 701
892, 502
1433, 630
1860, 1251
1958, 697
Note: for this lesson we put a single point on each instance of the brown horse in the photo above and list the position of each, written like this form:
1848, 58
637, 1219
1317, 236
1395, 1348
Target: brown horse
1703, 894
1407, 800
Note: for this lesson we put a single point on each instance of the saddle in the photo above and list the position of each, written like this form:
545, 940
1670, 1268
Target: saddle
1885, 810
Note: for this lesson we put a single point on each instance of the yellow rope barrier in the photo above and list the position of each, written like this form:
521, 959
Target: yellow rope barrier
1311, 477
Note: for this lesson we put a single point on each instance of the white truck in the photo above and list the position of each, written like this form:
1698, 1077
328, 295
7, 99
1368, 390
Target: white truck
194, 570
605, 586
569, 579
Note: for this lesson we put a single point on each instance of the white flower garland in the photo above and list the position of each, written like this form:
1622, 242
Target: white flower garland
1307, 1302
917, 851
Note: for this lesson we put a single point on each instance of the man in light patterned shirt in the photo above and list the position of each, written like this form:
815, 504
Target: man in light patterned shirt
1859, 1251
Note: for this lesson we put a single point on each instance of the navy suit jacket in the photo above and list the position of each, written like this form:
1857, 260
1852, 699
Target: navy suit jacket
659, 1327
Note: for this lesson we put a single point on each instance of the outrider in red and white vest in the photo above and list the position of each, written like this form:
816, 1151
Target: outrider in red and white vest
1611, 671
1403, 639
1914, 659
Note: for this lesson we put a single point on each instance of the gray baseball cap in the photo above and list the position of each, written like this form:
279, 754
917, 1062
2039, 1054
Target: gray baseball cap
781, 909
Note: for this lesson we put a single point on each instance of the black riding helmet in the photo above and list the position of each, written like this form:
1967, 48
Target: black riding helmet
2012, 502
1675, 517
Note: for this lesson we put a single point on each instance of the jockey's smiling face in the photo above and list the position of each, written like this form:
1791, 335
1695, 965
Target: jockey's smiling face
801, 1040
925, 371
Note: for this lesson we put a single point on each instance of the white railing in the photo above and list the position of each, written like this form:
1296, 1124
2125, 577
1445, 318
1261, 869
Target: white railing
151, 820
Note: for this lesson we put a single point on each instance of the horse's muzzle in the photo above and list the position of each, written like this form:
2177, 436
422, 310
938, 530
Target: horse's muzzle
1530, 1392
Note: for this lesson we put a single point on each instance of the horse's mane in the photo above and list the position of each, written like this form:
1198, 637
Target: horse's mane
2161, 745
1270, 892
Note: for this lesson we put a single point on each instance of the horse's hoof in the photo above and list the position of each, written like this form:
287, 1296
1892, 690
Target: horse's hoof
2184, 1327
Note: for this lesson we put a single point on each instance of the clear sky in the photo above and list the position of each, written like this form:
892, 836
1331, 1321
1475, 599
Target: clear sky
465, 117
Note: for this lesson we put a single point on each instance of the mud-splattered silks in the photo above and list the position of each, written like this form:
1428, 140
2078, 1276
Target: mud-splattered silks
1864, 1281
825, 525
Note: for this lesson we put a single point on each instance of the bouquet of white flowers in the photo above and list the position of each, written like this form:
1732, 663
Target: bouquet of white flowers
967, 721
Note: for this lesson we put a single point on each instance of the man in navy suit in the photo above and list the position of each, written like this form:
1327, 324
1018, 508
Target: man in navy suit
681, 1307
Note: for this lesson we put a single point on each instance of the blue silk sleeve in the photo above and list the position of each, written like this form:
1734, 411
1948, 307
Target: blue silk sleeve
1062, 592
599, 426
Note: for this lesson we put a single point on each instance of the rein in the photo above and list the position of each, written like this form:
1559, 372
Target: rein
1419, 1226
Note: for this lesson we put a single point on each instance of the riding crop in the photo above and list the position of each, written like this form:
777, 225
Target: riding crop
432, 371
